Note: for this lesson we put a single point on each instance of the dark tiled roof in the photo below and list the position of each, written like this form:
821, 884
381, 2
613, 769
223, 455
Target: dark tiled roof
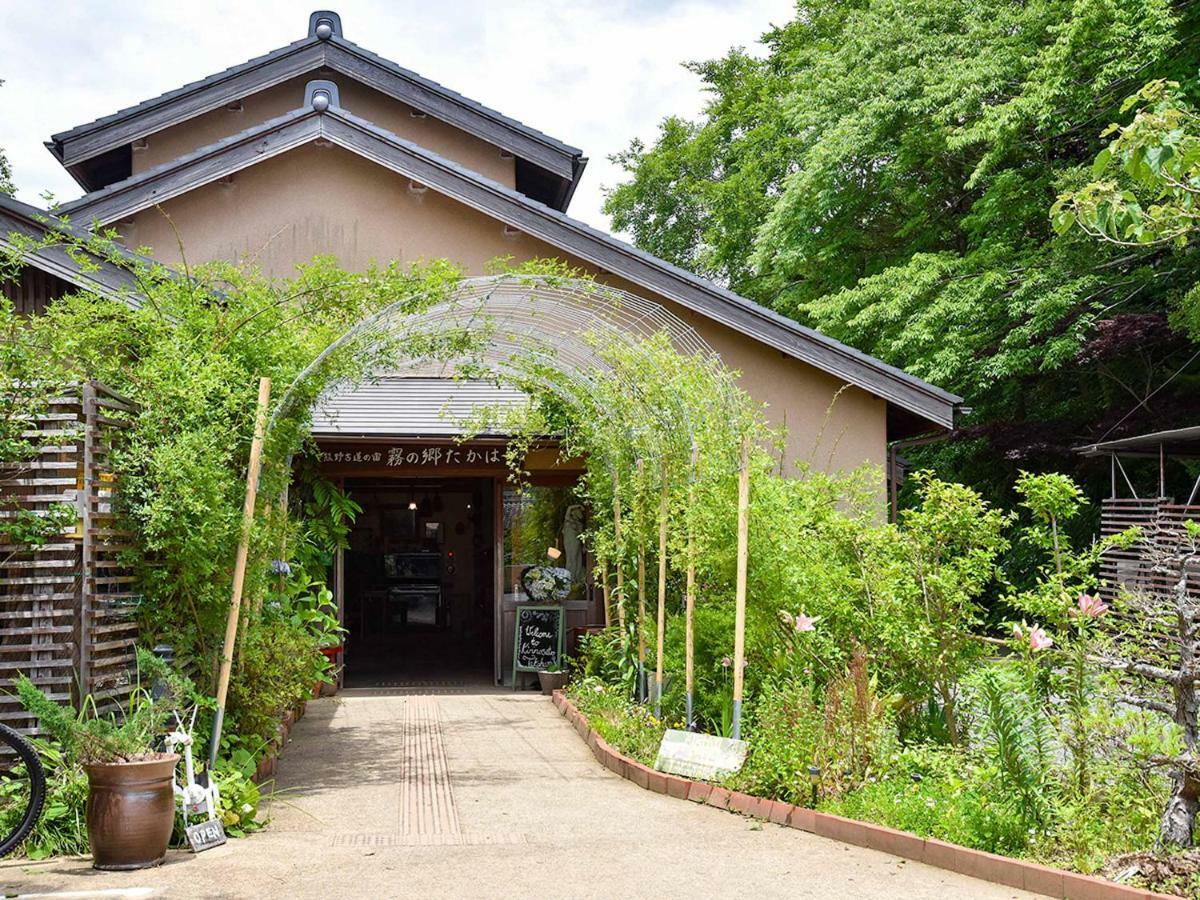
97, 274
546, 223
77, 146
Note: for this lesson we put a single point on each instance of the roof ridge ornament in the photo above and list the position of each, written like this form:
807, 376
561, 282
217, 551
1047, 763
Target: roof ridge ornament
324, 24
321, 95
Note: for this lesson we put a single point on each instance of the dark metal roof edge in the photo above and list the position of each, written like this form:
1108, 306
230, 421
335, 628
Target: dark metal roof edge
723, 296
132, 184
108, 279
163, 99
454, 96
767, 326
56, 143
1188, 434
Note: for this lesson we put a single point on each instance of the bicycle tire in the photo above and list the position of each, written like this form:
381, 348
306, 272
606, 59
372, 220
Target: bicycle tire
37, 793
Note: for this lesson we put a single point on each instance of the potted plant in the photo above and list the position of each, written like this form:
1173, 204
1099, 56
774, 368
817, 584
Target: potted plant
315, 610
131, 799
552, 678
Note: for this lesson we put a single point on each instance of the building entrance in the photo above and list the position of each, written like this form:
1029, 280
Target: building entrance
419, 582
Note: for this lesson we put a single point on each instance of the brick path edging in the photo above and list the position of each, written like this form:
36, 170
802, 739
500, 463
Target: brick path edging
975, 863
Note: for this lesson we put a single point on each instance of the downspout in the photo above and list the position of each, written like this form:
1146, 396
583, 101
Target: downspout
894, 449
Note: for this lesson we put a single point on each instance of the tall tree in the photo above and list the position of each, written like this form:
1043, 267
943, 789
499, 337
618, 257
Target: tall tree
885, 174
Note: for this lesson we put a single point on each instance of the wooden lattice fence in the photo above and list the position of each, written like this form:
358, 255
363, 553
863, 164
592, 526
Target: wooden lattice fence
1161, 522
66, 608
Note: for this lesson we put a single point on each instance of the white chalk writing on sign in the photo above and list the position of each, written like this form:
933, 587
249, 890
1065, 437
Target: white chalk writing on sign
538, 638
433, 457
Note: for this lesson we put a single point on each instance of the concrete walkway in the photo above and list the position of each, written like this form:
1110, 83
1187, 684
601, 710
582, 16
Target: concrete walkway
490, 794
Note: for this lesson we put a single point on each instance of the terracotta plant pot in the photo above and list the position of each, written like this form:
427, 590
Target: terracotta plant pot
331, 654
551, 681
130, 812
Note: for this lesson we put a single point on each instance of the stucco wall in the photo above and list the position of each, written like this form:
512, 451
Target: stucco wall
357, 98
315, 200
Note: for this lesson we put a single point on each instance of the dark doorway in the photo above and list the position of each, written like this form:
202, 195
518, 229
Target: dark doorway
419, 595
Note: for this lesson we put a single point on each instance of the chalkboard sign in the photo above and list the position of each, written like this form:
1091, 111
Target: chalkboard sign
539, 637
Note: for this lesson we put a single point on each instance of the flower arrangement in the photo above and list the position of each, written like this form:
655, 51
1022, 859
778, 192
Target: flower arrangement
547, 584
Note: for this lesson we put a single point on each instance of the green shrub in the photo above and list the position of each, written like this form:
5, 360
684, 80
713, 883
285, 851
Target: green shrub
627, 726
278, 665
933, 792
843, 731
88, 737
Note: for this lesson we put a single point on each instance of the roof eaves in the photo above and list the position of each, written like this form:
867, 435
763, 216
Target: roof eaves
271, 138
83, 142
146, 106
104, 277
438, 88
774, 329
556, 228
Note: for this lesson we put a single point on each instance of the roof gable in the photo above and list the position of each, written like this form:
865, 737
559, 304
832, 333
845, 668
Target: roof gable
548, 169
323, 119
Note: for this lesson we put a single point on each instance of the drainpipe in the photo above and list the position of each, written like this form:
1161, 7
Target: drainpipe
894, 449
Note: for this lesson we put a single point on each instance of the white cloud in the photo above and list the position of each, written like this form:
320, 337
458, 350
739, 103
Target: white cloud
594, 74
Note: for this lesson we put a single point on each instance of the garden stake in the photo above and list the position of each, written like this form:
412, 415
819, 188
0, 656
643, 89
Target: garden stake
690, 599
743, 552
604, 594
618, 552
662, 592
239, 567
641, 587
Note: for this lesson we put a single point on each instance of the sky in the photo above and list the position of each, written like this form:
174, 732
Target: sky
592, 73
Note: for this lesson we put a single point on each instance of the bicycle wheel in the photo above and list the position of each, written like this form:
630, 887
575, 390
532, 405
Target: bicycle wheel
22, 789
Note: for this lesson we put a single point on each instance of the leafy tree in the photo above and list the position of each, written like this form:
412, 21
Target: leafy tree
1147, 186
884, 175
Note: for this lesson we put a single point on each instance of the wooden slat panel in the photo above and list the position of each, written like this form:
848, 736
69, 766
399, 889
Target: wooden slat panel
57, 620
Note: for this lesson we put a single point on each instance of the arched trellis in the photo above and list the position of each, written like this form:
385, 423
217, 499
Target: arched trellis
564, 336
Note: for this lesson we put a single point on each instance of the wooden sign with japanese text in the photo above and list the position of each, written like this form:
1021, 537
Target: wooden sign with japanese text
401, 456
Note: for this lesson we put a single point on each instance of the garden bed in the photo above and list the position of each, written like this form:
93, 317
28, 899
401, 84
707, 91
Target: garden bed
964, 860
270, 760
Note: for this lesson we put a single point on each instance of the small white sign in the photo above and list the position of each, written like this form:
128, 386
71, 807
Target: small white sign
695, 755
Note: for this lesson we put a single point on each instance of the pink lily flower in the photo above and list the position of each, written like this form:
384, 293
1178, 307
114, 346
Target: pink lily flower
805, 623
1039, 640
1091, 606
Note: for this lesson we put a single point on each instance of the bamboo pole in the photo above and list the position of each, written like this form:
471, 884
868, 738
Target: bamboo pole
641, 584
604, 593
662, 591
743, 554
239, 565
690, 598
619, 552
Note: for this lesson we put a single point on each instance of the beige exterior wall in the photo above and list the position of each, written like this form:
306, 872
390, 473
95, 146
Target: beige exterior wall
329, 201
364, 102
